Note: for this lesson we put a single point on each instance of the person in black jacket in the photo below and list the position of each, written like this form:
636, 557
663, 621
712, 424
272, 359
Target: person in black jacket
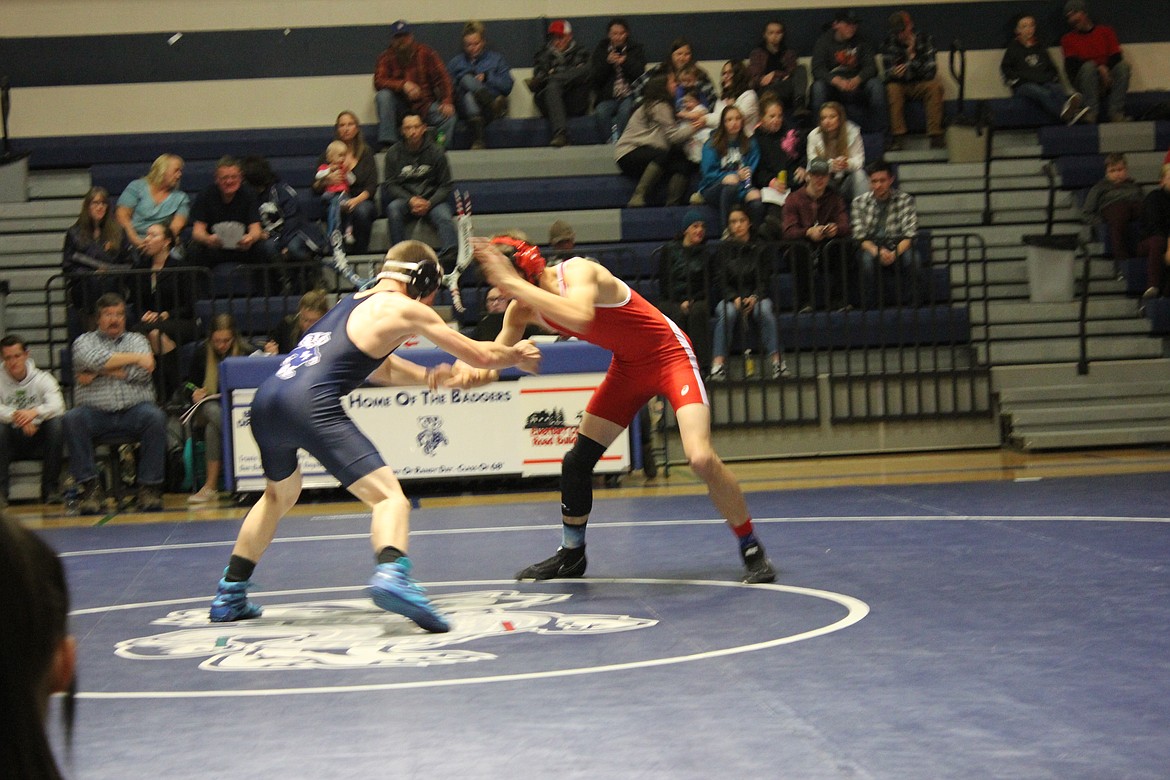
418, 183
1031, 74
617, 63
742, 278
1156, 241
684, 284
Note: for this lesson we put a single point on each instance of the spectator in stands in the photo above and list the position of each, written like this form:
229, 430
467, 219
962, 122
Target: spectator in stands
742, 279
684, 284
285, 336
730, 158
495, 304
1031, 74
226, 207
652, 146
482, 81
360, 197
1116, 202
616, 64
772, 67
838, 140
1156, 238
285, 234
561, 241
94, 246
203, 383
844, 69
885, 222
560, 80
1094, 63
911, 73
154, 200
781, 168
114, 396
418, 184
38, 656
411, 77
736, 91
165, 302
31, 407
815, 214
681, 55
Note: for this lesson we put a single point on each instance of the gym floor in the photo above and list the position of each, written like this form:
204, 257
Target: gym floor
943, 615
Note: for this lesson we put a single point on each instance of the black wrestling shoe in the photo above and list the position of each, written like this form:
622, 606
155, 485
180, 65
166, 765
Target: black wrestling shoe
758, 567
568, 562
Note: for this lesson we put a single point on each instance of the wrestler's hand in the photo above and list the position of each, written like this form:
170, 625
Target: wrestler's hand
465, 377
439, 375
529, 353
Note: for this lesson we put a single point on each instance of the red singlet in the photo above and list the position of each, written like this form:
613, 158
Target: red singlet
651, 356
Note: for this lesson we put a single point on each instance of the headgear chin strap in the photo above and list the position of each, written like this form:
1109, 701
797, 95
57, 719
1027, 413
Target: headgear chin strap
525, 257
421, 277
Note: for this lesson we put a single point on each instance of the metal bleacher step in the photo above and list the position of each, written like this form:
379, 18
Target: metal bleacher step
535, 163
28, 243
1063, 350
1005, 331
1027, 311
591, 225
1104, 434
59, 184
1103, 372
1023, 398
1094, 411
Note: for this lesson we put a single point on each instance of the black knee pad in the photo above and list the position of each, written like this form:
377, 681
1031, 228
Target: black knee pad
577, 477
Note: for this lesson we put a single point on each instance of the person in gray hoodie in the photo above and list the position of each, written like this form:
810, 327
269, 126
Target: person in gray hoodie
31, 407
418, 184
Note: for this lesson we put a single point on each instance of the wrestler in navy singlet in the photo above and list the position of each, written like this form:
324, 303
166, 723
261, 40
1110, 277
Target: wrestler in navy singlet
300, 406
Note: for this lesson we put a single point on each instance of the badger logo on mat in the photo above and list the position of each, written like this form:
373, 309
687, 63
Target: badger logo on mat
354, 634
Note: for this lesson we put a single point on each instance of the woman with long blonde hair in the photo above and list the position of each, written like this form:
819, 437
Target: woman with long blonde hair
154, 199
838, 140
223, 341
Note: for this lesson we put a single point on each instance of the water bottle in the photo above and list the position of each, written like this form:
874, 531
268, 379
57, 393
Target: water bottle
749, 364
69, 494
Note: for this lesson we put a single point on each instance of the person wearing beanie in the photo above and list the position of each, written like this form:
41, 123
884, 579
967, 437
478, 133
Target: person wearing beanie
1094, 64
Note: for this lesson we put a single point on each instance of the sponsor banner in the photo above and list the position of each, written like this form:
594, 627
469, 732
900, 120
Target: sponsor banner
522, 427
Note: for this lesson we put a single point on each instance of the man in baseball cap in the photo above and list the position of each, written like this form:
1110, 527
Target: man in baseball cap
411, 78
560, 80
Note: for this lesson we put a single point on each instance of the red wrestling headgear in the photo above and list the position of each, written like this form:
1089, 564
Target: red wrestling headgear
524, 256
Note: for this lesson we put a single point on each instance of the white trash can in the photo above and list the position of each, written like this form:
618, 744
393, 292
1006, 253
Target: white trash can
1051, 262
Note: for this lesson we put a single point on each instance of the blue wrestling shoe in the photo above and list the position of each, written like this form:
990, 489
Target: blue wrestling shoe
231, 602
394, 590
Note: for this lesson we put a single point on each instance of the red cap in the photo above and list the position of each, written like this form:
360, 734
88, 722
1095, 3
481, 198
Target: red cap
560, 28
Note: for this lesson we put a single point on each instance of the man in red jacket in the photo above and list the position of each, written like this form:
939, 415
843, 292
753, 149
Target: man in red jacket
1094, 63
411, 78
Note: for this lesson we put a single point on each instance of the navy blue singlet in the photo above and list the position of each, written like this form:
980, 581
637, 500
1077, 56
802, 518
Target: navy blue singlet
300, 405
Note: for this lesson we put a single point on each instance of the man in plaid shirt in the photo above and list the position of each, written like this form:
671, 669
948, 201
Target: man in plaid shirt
911, 73
885, 221
410, 77
113, 396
